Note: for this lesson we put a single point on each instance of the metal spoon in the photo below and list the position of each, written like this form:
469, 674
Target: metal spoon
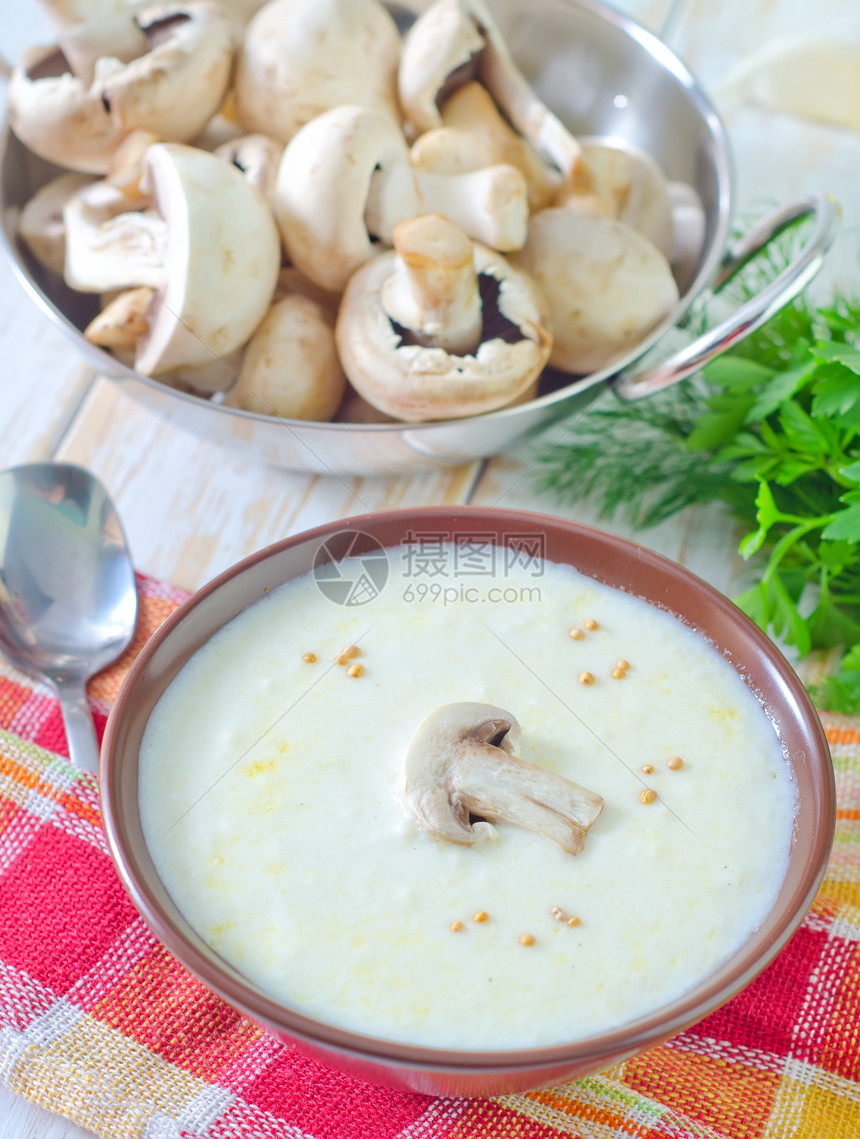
68, 600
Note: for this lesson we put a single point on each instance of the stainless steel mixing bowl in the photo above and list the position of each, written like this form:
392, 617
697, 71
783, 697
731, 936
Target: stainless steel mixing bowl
604, 76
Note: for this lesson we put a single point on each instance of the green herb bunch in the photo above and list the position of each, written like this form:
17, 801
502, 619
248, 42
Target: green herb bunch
771, 429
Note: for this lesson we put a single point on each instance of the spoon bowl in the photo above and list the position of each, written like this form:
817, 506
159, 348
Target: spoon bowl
68, 599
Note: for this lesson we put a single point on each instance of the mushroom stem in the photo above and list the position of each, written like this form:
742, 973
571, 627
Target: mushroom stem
434, 293
460, 762
489, 205
107, 250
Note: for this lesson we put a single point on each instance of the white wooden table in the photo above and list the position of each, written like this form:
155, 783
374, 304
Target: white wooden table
191, 508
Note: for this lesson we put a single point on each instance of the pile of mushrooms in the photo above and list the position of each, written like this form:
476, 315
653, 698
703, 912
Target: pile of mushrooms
292, 206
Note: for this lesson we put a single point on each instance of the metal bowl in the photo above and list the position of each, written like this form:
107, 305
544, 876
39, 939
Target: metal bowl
604, 76
604, 557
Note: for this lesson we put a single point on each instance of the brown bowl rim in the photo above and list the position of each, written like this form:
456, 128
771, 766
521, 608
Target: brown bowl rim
633, 1036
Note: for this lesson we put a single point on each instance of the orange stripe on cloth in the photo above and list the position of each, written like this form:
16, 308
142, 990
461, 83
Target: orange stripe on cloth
733, 1099
845, 813
28, 779
566, 1102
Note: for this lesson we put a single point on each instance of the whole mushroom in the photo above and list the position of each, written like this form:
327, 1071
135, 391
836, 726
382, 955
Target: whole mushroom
628, 185
473, 135
606, 285
172, 89
344, 182
209, 248
86, 30
40, 223
489, 203
440, 328
290, 367
455, 41
300, 58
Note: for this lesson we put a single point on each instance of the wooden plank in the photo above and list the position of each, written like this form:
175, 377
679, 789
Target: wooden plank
192, 508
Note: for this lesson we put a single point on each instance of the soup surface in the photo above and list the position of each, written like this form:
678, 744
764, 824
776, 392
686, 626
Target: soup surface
272, 797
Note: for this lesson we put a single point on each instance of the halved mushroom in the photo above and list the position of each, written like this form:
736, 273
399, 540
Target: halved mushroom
303, 57
441, 328
172, 90
86, 30
606, 285
258, 157
490, 205
40, 223
460, 763
343, 184
123, 321
210, 248
291, 367
455, 41
627, 185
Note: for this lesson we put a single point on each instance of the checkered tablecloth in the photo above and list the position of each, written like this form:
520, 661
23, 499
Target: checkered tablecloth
100, 1024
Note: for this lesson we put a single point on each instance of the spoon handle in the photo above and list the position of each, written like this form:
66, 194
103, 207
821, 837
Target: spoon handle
78, 722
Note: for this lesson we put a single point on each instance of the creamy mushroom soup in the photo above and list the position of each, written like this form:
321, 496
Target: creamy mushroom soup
275, 804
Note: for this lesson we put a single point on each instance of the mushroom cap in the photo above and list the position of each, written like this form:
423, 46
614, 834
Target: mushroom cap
88, 31
57, 116
172, 90
179, 84
457, 40
324, 183
628, 185
40, 224
303, 57
443, 40
258, 157
222, 261
291, 367
415, 383
606, 285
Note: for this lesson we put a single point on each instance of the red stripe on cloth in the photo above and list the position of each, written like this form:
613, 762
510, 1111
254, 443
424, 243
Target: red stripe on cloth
329, 1105
160, 1005
762, 1016
61, 907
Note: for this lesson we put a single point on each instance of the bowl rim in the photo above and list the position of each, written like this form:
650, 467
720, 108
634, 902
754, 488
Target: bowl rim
633, 1036
668, 62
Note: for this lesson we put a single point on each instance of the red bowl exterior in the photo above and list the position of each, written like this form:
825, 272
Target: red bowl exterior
604, 557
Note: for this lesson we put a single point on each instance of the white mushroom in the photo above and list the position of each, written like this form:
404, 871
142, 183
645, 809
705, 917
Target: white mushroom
440, 328
460, 763
302, 57
490, 204
86, 30
172, 90
457, 40
258, 157
606, 285
291, 367
344, 182
123, 321
474, 134
40, 224
628, 185
210, 249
